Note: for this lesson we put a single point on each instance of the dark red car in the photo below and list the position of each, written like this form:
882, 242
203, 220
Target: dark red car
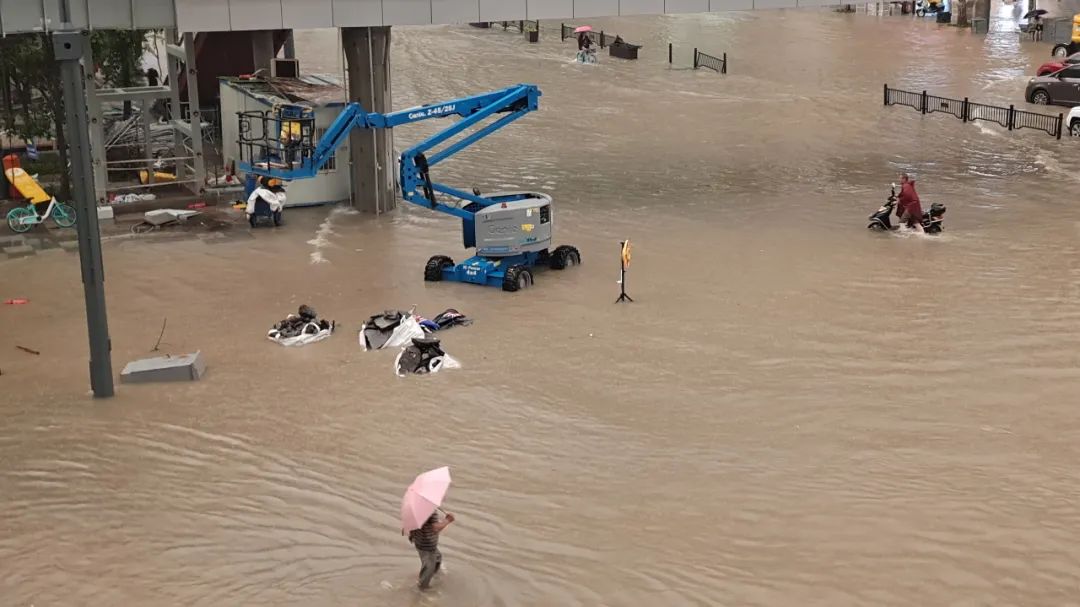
1057, 64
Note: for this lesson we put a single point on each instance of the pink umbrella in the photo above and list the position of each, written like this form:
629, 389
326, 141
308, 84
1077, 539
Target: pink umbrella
584, 28
423, 497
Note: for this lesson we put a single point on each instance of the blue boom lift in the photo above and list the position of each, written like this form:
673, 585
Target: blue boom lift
511, 231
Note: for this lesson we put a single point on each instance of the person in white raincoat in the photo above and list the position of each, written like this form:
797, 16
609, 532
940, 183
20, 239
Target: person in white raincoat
273, 195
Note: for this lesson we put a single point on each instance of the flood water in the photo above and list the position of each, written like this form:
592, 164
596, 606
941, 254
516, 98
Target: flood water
794, 411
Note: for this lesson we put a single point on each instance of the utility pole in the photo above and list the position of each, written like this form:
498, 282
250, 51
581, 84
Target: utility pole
70, 47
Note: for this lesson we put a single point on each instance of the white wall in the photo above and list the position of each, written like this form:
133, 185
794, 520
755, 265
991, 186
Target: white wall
230, 105
331, 186
226, 15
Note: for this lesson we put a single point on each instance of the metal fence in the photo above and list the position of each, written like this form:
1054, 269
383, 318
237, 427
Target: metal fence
1040, 122
705, 60
969, 111
717, 64
520, 26
945, 105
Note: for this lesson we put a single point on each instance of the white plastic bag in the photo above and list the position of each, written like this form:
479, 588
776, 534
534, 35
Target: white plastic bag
311, 334
402, 336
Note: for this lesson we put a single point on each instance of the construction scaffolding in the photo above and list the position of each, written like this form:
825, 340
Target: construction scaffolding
172, 140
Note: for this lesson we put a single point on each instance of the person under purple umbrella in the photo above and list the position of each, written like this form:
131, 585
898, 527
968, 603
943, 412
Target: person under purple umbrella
426, 541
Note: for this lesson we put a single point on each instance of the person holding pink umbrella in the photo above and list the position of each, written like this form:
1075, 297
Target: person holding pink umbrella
584, 41
426, 541
418, 516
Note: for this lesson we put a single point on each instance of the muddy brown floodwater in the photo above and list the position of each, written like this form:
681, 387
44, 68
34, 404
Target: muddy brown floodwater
794, 412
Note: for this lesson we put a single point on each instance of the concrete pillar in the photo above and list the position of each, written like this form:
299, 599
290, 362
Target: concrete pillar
973, 9
290, 46
962, 12
367, 55
262, 49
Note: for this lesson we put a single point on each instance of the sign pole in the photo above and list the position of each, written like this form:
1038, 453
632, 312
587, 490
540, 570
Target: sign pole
624, 263
70, 46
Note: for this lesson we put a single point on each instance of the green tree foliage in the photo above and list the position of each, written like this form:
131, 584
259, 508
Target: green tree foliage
31, 78
32, 98
118, 55
37, 109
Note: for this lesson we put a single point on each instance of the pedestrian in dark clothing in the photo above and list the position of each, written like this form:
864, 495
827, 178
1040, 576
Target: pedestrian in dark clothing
584, 41
426, 541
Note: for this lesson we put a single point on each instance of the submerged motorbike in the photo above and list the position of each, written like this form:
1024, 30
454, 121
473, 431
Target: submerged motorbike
923, 9
424, 355
932, 220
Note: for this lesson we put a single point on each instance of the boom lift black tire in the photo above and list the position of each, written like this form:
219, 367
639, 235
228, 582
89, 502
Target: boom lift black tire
517, 278
564, 257
434, 268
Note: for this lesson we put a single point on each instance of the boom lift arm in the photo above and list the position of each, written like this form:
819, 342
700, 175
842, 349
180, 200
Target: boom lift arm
304, 160
511, 231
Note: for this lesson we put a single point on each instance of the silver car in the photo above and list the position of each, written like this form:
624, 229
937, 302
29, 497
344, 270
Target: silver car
1060, 88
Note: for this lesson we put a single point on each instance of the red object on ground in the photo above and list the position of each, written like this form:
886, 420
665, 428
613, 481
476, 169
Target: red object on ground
11, 161
1050, 67
17, 302
197, 205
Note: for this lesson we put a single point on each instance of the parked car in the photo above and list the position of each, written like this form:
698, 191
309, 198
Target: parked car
1058, 64
1060, 88
1072, 121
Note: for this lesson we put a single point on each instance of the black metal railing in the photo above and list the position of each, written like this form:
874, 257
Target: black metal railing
521, 26
989, 113
969, 111
1051, 125
530, 29
705, 60
269, 141
898, 97
945, 105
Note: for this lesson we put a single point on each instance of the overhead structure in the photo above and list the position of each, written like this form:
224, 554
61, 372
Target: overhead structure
18, 16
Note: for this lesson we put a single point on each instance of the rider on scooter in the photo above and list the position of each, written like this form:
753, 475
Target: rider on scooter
908, 207
584, 42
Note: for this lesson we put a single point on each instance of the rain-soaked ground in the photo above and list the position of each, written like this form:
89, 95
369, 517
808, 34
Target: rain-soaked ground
794, 412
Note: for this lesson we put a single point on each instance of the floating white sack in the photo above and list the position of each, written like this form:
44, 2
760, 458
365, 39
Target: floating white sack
310, 334
402, 335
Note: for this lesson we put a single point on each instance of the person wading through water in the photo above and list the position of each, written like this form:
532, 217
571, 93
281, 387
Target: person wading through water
426, 541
